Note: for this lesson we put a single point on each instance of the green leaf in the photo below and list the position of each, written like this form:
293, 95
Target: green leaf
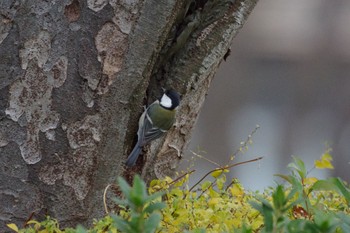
299, 166
124, 187
152, 223
120, 223
256, 206
301, 226
139, 187
324, 185
267, 212
246, 229
279, 198
80, 229
341, 187
344, 221
121, 202
154, 206
138, 192
260, 206
154, 196
334, 184
325, 222
285, 177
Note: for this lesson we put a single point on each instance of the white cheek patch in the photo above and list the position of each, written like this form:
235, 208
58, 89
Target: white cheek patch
165, 101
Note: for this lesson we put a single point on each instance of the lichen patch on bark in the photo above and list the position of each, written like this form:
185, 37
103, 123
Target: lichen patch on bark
30, 96
37, 48
85, 133
125, 12
111, 44
97, 5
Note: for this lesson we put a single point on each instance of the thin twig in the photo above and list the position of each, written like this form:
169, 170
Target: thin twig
180, 177
223, 168
234, 181
211, 185
247, 140
202, 157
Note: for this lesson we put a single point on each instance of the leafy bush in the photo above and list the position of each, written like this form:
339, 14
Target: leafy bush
143, 215
308, 205
301, 204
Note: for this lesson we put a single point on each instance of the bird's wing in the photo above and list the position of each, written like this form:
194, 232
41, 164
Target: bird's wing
150, 132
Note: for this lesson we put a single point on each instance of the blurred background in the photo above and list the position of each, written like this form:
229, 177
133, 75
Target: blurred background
288, 72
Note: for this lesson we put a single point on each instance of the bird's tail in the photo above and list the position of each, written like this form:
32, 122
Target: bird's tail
133, 155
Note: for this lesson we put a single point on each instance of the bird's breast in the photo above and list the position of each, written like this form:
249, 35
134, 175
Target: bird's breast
161, 118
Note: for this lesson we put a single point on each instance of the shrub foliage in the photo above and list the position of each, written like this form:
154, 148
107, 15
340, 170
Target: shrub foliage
299, 204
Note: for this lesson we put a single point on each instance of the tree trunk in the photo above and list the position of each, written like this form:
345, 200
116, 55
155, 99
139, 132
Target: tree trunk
74, 77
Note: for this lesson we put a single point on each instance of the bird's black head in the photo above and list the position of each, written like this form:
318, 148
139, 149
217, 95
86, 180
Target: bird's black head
170, 99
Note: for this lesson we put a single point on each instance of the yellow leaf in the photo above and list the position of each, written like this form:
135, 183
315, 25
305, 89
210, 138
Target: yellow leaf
180, 182
214, 201
310, 180
327, 156
177, 192
236, 190
153, 183
213, 193
217, 173
325, 162
168, 179
221, 182
32, 222
12, 226
205, 185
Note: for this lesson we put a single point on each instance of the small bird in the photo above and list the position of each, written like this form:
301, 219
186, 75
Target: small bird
156, 120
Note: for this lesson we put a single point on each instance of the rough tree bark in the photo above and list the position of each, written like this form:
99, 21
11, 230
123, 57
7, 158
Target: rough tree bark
74, 76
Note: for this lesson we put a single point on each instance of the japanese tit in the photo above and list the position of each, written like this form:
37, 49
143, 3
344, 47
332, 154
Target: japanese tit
156, 120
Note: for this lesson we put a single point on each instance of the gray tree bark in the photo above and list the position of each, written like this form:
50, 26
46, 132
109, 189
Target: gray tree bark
74, 76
